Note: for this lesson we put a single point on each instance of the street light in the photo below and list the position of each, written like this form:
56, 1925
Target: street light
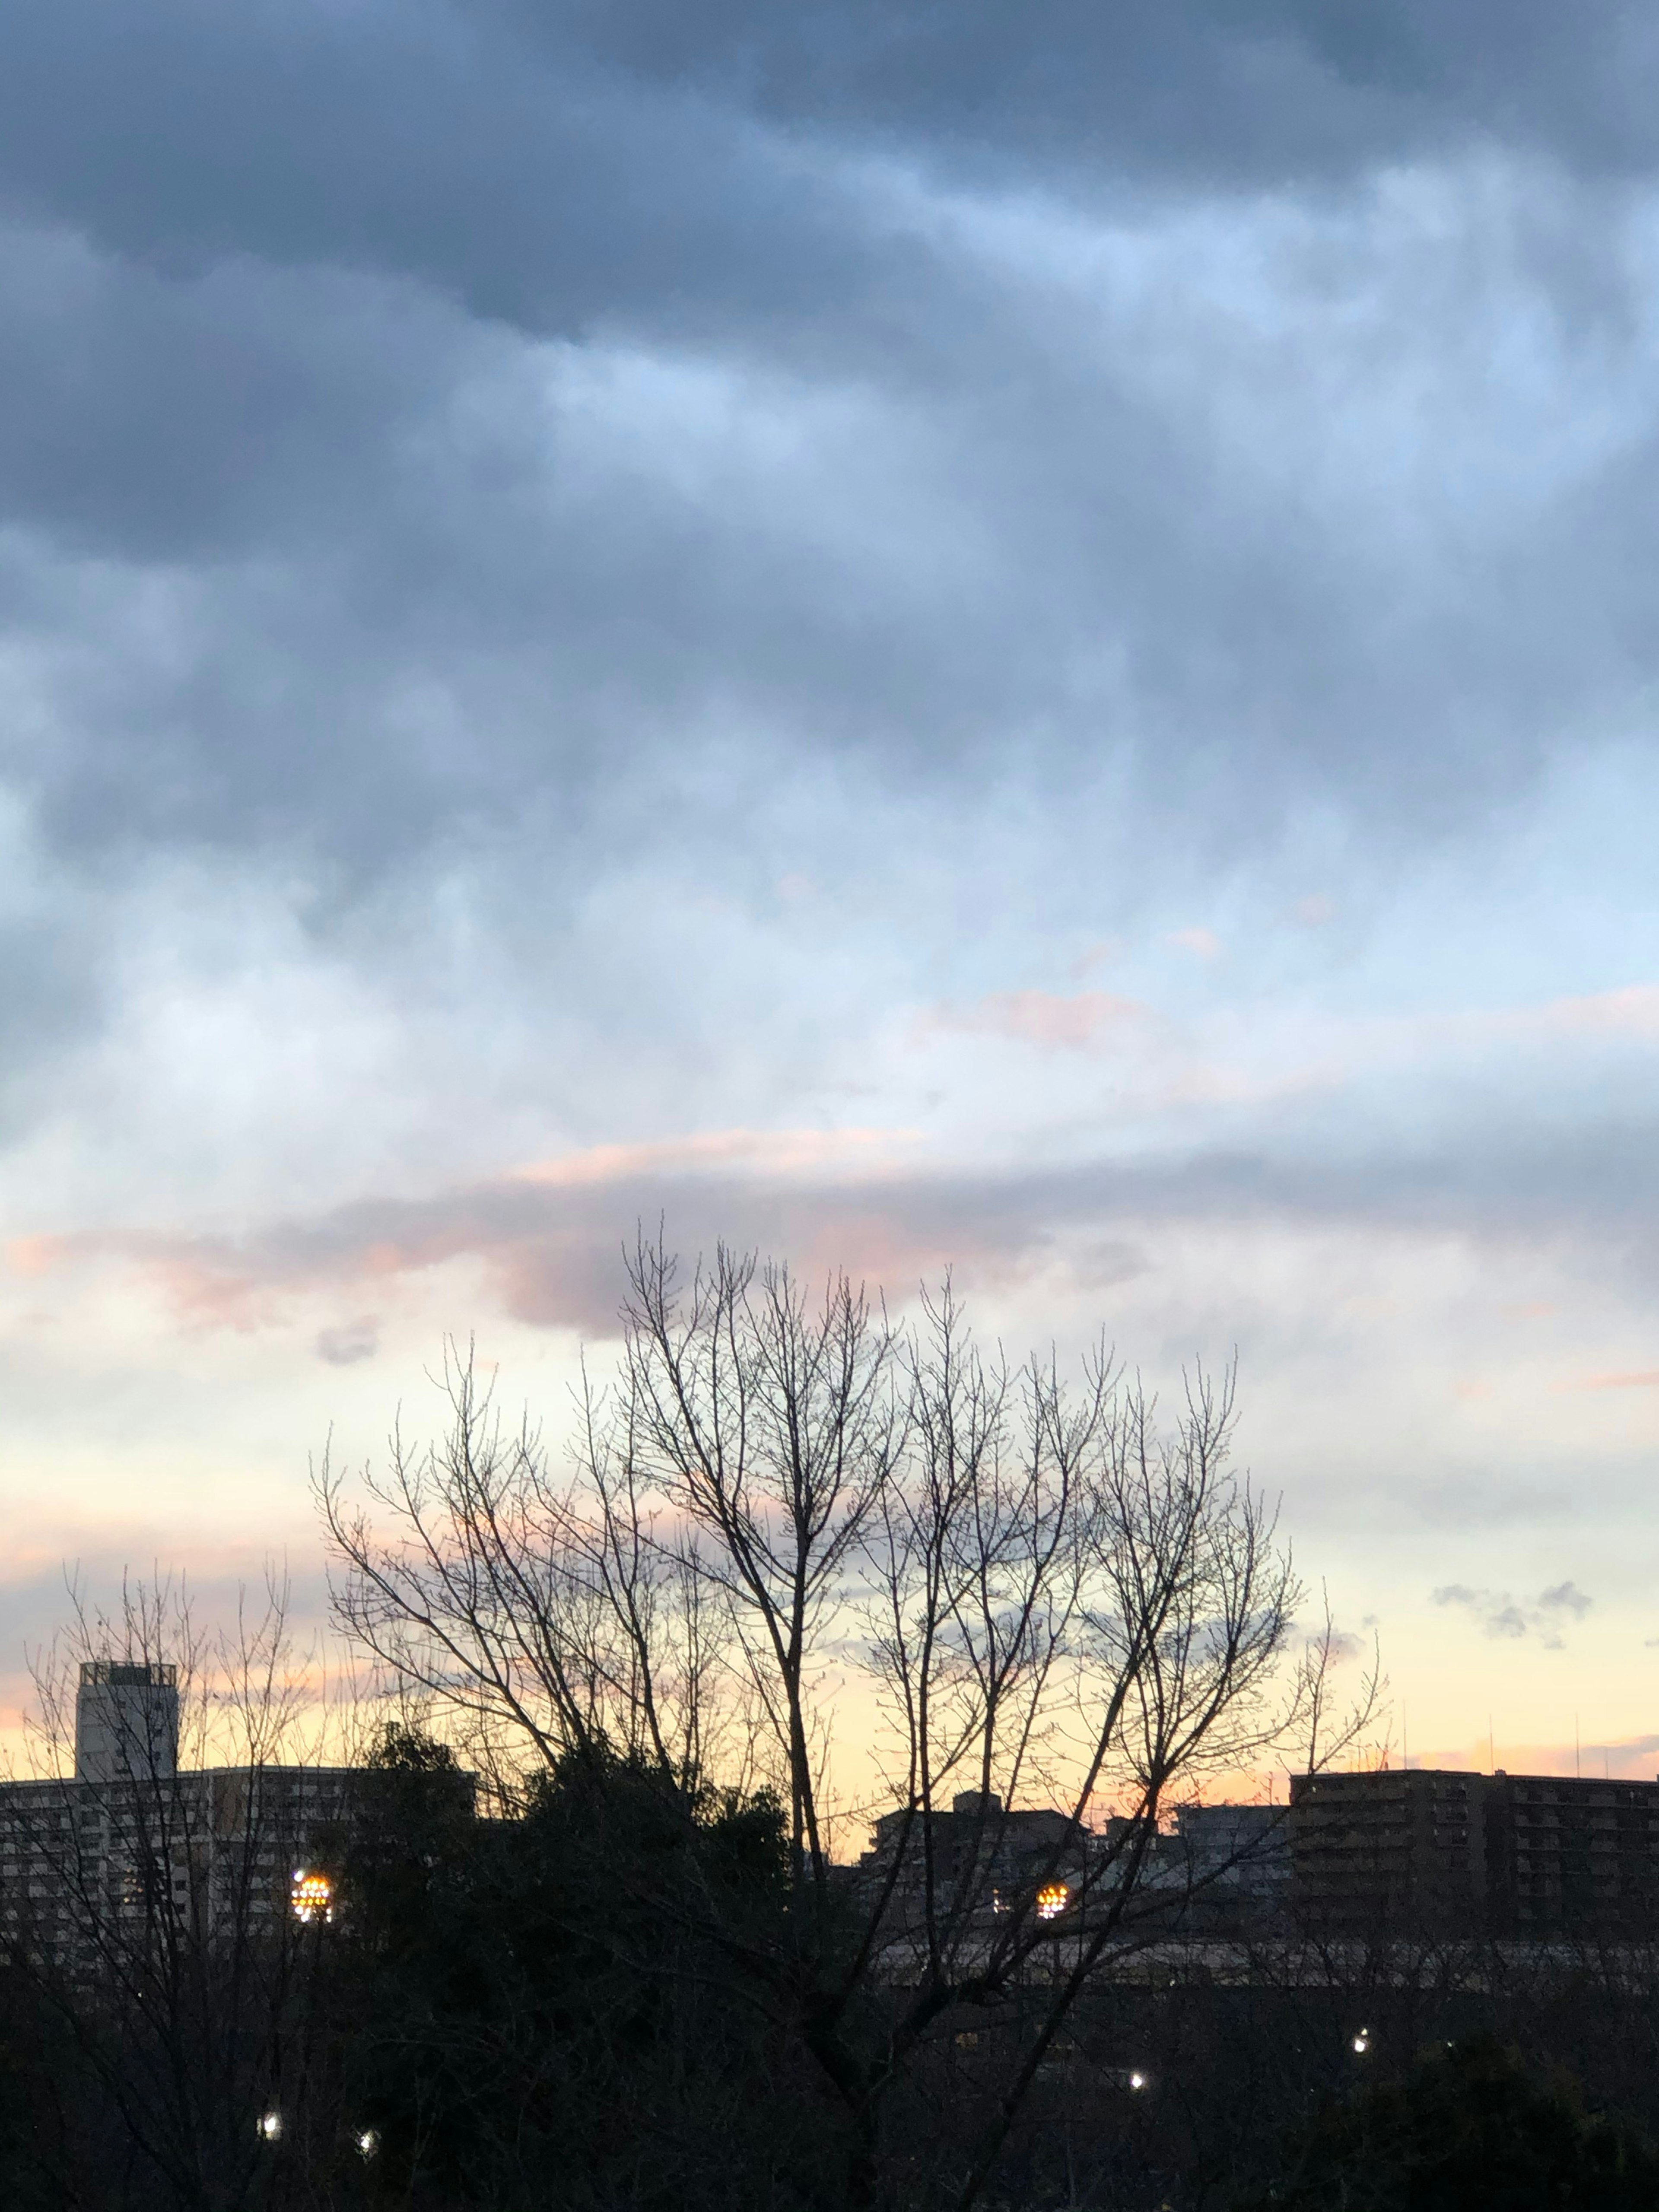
311, 1896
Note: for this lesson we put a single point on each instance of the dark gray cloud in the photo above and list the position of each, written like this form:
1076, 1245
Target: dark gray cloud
345, 1343
511, 447
408, 589
406, 139
313, 556
1545, 1617
1256, 90
544, 159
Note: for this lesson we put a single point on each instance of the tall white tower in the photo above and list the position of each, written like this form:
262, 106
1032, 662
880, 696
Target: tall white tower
126, 1721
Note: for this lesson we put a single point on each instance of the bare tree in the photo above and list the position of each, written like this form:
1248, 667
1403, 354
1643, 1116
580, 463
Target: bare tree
149, 1866
544, 1613
1043, 1593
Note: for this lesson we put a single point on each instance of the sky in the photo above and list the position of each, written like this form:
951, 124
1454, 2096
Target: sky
1013, 638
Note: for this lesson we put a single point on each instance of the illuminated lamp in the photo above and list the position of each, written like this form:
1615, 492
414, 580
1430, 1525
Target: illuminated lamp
311, 1896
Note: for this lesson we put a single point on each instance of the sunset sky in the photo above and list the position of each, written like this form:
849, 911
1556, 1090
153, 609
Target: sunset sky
1022, 637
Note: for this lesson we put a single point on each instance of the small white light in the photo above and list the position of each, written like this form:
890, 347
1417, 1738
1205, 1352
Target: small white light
270, 2127
1137, 2081
1362, 2043
368, 2142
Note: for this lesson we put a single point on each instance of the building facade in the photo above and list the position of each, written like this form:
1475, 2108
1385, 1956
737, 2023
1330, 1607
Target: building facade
980, 1858
1572, 1856
1432, 1852
131, 1848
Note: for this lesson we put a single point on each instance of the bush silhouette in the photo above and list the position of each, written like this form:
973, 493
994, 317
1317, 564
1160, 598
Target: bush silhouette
1467, 2130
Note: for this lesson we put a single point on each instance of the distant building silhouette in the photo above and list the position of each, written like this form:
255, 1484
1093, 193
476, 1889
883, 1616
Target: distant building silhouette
980, 1848
1219, 1869
1505, 1854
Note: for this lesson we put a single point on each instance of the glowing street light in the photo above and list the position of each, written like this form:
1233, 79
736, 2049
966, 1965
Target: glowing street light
311, 1896
1362, 2043
1137, 2081
368, 2142
1052, 1901
269, 2127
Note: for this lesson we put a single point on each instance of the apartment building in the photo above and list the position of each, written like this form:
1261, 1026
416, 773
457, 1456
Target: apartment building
1565, 1856
131, 1841
980, 1850
1507, 1855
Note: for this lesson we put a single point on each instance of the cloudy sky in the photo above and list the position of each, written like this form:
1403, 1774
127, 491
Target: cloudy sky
1019, 636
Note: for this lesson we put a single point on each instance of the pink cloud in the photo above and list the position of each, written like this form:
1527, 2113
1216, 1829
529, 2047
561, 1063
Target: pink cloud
550, 1239
1632, 1011
1314, 912
1043, 1018
1095, 956
1642, 1379
1203, 942
32, 1255
771, 1152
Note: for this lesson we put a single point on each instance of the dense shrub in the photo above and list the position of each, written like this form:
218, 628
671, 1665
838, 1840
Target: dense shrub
1467, 2128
